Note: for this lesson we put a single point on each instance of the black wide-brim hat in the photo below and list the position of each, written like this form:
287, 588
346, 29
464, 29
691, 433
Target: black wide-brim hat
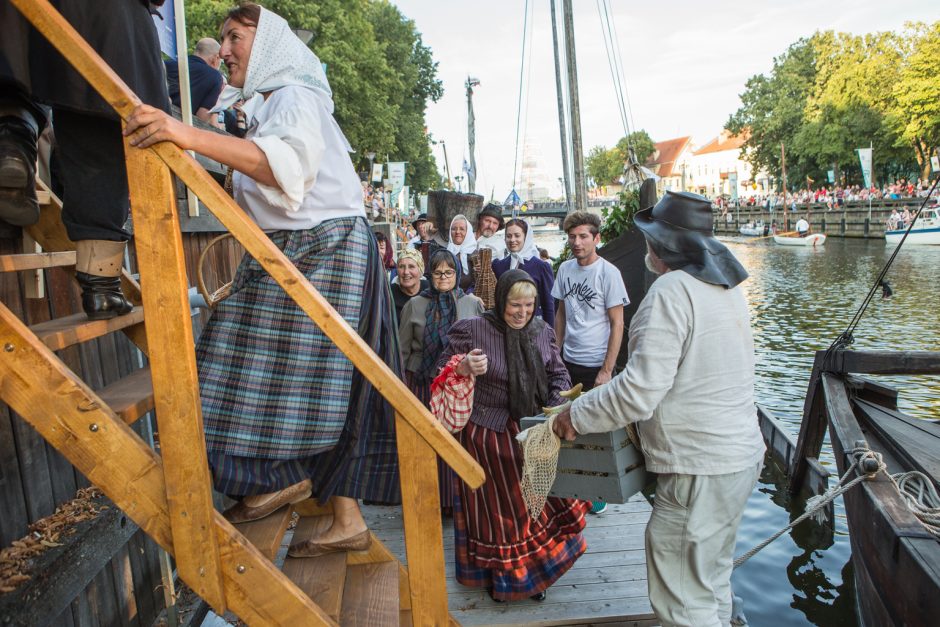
422, 217
493, 211
680, 230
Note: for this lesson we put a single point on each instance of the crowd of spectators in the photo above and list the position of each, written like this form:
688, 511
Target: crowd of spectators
835, 196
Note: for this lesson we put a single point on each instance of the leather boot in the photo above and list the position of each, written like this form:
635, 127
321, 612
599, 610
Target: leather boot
102, 297
18, 135
98, 271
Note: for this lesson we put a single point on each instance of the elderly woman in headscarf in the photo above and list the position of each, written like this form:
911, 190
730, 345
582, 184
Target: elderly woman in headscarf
410, 281
285, 412
523, 254
518, 370
425, 323
462, 243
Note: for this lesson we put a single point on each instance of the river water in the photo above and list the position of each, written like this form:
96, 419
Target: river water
800, 300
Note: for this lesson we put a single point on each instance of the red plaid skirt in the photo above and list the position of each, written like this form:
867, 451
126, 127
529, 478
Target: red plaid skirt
498, 545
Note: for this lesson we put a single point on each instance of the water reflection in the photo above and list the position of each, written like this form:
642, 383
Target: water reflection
800, 300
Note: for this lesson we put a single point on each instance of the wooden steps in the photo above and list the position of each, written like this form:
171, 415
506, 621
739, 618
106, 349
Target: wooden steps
322, 578
64, 332
36, 261
371, 595
131, 397
266, 534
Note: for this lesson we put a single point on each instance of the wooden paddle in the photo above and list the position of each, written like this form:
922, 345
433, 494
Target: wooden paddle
772, 234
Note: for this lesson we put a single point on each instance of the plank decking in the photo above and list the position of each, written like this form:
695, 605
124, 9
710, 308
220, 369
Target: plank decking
607, 584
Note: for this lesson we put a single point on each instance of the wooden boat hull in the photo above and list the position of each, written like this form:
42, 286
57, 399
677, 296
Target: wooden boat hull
896, 560
812, 240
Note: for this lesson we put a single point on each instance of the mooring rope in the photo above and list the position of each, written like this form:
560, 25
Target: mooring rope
915, 488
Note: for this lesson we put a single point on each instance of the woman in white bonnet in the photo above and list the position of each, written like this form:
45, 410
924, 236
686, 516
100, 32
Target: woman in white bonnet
285, 412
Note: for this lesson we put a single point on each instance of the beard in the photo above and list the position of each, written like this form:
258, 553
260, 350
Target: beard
650, 265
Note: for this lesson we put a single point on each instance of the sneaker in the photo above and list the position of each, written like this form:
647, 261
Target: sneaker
598, 507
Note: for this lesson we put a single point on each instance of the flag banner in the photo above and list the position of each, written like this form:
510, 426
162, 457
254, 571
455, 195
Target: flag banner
935, 164
831, 175
733, 183
396, 176
166, 28
864, 157
377, 172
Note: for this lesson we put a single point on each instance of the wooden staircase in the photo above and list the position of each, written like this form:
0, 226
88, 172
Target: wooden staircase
169, 495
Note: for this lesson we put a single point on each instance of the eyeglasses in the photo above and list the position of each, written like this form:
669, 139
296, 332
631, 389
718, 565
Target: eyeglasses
444, 275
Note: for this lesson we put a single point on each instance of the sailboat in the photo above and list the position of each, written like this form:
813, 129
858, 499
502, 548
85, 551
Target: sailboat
792, 238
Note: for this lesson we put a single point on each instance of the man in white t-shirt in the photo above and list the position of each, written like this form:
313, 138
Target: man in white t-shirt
589, 321
802, 227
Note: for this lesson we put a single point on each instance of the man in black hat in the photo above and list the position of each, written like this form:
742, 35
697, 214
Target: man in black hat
489, 224
689, 386
422, 227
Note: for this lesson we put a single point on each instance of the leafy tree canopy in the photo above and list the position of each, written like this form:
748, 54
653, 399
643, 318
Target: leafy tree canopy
381, 73
833, 93
605, 166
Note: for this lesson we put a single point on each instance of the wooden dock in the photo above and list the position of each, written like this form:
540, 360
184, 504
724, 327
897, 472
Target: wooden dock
606, 585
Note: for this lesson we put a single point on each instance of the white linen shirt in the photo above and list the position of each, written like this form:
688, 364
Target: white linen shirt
689, 381
309, 156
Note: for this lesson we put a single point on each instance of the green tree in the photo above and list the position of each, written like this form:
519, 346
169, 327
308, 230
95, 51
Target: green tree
603, 165
917, 94
643, 146
381, 73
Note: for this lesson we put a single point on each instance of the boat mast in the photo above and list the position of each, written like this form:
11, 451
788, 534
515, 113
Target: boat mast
783, 163
561, 113
580, 193
471, 134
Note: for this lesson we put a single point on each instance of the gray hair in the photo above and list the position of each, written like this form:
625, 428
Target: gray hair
207, 48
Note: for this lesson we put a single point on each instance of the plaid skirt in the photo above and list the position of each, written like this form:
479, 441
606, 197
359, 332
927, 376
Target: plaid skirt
498, 545
446, 477
280, 401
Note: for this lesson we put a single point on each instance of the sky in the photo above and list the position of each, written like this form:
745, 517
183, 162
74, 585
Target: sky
685, 64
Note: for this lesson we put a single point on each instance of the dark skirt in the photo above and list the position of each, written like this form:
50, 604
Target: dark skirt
280, 401
498, 545
446, 477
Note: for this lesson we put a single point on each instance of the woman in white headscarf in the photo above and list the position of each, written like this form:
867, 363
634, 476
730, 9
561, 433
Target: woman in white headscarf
285, 412
462, 243
524, 255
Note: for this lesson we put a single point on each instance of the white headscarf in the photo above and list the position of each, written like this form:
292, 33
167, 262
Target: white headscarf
278, 58
468, 247
529, 249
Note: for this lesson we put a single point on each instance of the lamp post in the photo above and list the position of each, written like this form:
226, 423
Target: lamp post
371, 157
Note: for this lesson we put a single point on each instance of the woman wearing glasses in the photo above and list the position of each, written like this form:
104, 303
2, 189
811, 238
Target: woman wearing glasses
422, 332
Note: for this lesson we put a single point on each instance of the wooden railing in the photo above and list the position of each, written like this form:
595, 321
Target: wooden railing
170, 496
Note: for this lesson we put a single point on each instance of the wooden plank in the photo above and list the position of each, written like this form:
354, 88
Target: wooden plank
36, 261
914, 442
812, 428
71, 417
873, 391
424, 542
141, 569
131, 397
173, 369
371, 596
885, 362
15, 519
62, 332
61, 573
124, 598
322, 578
266, 534
377, 553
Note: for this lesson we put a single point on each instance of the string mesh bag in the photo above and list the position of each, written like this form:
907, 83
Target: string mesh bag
540, 448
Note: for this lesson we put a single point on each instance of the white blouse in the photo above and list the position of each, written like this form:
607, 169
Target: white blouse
309, 156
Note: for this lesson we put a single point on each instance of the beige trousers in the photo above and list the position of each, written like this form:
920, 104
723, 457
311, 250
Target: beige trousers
690, 544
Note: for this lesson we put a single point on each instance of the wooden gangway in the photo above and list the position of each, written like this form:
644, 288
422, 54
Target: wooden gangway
169, 495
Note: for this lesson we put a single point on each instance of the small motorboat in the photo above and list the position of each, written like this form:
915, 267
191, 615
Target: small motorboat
926, 229
813, 239
752, 229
